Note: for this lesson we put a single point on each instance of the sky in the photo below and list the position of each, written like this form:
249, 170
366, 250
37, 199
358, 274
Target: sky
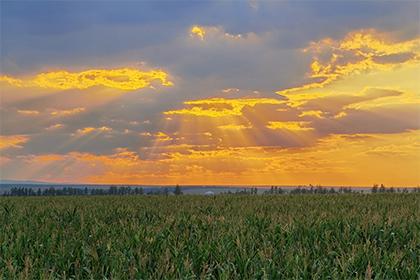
210, 92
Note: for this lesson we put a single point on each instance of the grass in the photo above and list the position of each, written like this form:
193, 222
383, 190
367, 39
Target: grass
350, 236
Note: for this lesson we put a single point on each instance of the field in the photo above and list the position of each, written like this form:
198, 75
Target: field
348, 236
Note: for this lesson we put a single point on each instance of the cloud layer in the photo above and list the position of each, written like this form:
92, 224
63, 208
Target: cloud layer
123, 79
254, 94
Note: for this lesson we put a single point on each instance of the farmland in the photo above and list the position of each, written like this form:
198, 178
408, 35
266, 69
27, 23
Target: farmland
347, 236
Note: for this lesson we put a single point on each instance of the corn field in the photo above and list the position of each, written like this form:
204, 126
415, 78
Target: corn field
349, 236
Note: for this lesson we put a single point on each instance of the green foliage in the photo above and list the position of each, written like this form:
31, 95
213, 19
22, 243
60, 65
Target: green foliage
349, 236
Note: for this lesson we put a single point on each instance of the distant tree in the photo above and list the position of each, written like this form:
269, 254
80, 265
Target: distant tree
177, 190
382, 188
375, 188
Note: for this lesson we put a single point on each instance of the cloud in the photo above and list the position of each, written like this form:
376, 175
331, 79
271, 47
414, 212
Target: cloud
12, 141
12, 81
198, 31
291, 126
234, 126
371, 110
338, 105
383, 119
45, 158
161, 136
88, 130
239, 136
312, 113
123, 78
333, 160
66, 113
28, 112
360, 51
218, 33
379, 97
221, 107
333, 99
230, 90
55, 126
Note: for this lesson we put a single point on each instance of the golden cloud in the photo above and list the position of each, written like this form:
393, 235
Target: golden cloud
123, 79
340, 115
312, 113
87, 130
12, 141
358, 52
198, 31
220, 107
234, 126
11, 81
161, 136
380, 97
218, 32
291, 126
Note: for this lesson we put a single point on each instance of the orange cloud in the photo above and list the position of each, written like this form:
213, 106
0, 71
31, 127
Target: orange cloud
28, 112
12, 141
55, 126
48, 158
346, 159
123, 79
66, 113
120, 160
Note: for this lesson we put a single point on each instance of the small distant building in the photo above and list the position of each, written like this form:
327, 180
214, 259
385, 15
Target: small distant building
209, 193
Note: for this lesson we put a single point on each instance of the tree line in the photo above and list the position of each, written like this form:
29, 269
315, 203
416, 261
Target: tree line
113, 190
275, 190
51, 191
